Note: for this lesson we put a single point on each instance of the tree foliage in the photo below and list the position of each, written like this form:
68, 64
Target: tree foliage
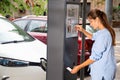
19, 6
116, 13
9, 6
40, 7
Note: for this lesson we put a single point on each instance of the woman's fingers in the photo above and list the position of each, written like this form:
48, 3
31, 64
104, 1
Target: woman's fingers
78, 27
75, 70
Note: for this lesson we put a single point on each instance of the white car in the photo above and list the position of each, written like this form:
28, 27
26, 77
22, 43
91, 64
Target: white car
22, 57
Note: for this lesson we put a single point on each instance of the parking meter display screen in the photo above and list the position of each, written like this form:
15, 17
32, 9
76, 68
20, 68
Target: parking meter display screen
71, 20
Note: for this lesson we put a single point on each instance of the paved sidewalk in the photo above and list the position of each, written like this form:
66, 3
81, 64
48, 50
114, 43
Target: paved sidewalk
117, 47
117, 31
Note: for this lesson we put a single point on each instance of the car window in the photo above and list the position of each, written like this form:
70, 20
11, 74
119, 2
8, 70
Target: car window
11, 32
38, 26
22, 23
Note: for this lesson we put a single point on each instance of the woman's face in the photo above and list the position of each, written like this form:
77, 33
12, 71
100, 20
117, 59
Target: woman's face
94, 23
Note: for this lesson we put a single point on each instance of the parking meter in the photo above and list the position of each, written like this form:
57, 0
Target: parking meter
71, 40
62, 44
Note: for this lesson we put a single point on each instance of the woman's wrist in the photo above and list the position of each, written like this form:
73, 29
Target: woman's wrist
80, 66
82, 30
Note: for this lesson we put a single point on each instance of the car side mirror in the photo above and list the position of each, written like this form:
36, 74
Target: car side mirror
43, 63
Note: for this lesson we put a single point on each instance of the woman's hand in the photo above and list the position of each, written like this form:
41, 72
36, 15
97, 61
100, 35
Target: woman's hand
78, 28
75, 69
84, 64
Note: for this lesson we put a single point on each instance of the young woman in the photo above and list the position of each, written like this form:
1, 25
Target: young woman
102, 60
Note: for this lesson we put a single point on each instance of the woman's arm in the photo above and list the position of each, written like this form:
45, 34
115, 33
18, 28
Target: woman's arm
79, 28
84, 64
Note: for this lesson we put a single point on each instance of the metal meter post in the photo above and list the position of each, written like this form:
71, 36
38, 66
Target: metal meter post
83, 38
62, 44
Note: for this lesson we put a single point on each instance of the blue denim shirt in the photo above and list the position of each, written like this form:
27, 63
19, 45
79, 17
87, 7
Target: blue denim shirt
103, 55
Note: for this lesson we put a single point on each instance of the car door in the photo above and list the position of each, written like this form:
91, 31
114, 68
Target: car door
12, 69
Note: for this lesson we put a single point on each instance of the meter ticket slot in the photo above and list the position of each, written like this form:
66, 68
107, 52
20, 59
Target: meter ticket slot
71, 40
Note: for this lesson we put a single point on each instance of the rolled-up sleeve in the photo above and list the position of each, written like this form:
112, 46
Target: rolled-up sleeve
98, 48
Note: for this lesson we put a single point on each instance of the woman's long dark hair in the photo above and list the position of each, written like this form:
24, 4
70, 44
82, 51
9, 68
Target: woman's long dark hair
93, 14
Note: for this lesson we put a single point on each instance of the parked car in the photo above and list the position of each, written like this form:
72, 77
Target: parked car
34, 26
22, 57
